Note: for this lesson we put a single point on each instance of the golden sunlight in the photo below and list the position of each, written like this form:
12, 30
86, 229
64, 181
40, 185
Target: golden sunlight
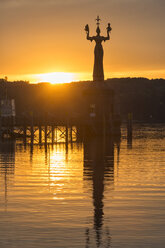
55, 77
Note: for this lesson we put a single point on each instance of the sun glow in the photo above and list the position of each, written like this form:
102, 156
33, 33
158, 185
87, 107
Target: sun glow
55, 77
67, 77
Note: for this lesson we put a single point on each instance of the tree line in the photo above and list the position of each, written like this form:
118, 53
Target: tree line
143, 97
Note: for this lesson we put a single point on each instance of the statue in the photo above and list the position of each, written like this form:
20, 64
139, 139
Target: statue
98, 72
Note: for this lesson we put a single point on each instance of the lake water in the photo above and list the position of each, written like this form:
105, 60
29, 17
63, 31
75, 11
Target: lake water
89, 195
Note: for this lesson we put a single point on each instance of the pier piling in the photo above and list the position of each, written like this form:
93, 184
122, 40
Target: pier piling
129, 127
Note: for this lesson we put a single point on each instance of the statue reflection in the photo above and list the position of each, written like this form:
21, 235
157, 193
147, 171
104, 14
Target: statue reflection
7, 163
99, 168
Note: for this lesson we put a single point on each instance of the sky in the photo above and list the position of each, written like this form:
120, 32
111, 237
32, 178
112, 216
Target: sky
47, 37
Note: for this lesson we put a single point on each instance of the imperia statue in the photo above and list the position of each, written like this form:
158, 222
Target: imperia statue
98, 71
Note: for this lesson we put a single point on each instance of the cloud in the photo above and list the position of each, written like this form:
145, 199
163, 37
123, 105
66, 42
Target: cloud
89, 4
20, 3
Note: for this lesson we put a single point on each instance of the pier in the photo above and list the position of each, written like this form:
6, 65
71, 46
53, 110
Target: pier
31, 128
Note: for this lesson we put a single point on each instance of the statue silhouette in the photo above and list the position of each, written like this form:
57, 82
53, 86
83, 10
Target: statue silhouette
98, 71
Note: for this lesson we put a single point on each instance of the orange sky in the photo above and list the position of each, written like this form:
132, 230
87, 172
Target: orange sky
46, 36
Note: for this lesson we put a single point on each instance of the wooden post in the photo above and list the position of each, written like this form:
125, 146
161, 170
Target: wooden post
56, 134
40, 134
52, 134
32, 128
24, 133
32, 133
46, 131
66, 133
46, 128
71, 140
129, 126
66, 136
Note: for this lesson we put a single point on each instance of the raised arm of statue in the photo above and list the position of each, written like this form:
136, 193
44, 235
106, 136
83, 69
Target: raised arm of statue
87, 32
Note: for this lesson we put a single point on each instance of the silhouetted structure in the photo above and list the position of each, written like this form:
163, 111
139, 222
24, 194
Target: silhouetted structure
98, 71
101, 117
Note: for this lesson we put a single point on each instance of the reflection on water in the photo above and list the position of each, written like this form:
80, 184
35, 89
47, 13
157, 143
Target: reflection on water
98, 167
96, 194
7, 162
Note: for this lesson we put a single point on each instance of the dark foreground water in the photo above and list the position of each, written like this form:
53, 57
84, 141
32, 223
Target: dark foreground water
93, 195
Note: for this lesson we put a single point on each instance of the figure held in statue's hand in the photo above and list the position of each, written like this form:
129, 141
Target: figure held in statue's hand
109, 28
87, 28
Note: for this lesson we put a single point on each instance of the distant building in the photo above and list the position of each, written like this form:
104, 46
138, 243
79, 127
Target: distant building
7, 108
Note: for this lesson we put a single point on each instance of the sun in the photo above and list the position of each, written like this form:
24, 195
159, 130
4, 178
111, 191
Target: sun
55, 77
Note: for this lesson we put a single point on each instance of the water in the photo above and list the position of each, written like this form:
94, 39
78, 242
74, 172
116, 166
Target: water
56, 197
